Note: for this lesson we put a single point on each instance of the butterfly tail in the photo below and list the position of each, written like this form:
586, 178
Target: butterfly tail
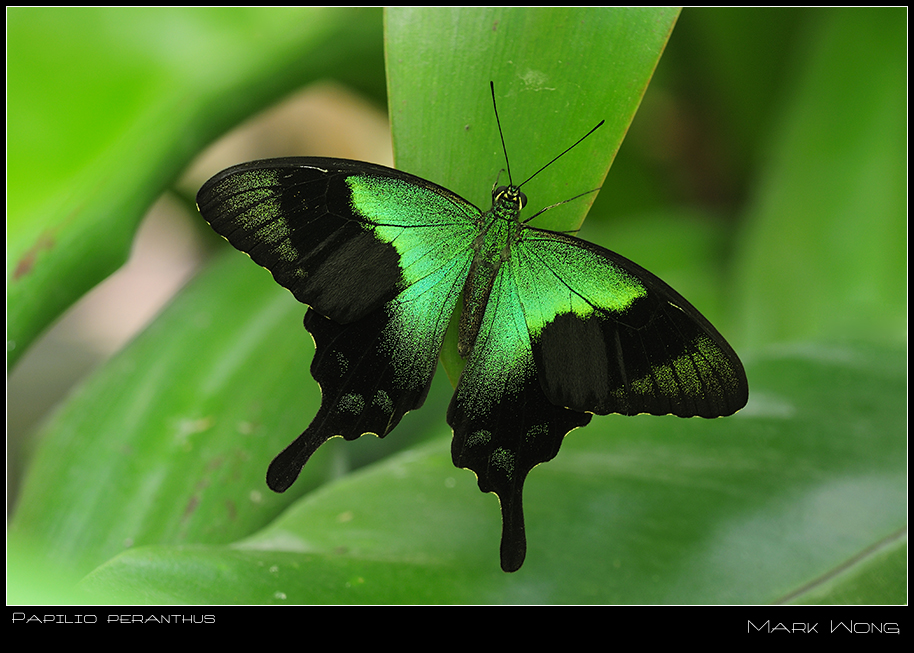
286, 467
513, 536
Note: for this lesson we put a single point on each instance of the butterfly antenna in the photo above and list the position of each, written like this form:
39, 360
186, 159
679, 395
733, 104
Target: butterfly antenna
501, 134
599, 124
552, 206
564, 152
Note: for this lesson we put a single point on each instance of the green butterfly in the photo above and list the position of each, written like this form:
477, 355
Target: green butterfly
553, 328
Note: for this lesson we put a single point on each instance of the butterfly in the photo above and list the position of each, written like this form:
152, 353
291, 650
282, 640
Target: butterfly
553, 328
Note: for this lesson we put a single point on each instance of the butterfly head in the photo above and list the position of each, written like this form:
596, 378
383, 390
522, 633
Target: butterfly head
510, 195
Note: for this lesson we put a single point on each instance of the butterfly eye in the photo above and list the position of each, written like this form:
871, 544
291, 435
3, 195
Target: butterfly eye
512, 193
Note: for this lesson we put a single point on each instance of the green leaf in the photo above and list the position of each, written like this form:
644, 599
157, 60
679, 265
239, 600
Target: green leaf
831, 198
557, 73
774, 504
107, 107
170, 441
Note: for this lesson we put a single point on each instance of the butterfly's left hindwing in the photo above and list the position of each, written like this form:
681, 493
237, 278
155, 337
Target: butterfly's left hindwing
379, 255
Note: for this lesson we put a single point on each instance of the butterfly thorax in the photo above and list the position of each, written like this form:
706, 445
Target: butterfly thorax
500, 228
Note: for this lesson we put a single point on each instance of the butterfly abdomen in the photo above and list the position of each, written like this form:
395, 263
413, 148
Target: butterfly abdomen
490, 249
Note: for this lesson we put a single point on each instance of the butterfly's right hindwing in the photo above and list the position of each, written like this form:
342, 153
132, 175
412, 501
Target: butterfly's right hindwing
379, 255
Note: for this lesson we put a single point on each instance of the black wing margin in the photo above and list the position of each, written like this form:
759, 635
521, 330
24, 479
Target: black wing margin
293, 216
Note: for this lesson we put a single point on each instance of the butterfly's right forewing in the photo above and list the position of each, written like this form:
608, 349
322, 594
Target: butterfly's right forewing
379, 255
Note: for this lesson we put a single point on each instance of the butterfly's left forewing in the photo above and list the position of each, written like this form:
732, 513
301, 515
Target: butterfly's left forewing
380, 256
610, 337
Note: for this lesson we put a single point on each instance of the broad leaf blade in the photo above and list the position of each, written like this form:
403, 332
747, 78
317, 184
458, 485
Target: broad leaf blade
170, 441
120, 100
758, 508
557, 73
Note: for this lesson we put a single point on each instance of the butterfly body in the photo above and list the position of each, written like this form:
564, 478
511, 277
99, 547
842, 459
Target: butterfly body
553, 328
500, 227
